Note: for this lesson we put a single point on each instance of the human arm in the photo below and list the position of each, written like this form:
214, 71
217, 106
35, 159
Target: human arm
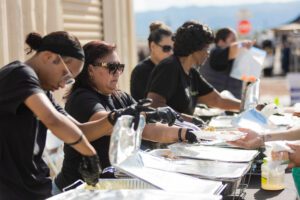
59, 124
254, 140
234, 48
214, 99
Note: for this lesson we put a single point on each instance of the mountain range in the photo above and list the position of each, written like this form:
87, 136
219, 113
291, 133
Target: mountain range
262, 16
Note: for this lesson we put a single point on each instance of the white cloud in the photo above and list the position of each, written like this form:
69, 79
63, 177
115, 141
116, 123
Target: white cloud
146, 5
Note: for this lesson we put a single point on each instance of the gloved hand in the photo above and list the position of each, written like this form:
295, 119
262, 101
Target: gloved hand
165, 115
90, 169
198, 122
133, 110
190, 137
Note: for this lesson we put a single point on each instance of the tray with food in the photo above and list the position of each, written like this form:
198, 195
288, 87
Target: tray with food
226, 135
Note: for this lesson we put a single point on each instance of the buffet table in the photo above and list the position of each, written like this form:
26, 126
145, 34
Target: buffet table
254, 192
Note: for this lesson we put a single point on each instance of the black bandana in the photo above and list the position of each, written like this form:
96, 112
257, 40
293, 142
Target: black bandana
63, 50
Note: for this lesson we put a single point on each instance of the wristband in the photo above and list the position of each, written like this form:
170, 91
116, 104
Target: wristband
76, 142
179, 135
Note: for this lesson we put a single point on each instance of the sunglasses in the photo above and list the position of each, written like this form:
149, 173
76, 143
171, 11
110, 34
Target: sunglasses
68, 78
165, 48
112, 67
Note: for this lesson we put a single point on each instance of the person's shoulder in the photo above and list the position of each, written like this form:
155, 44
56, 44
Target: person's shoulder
146, 63
19, 69
81, 94
170, 62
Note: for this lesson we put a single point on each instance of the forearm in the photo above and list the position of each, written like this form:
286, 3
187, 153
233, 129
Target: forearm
290, 134
68, 132
161, 133
229, 104
94, 130
186, 117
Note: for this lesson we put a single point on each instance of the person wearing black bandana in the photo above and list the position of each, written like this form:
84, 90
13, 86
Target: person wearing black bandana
176, 82
28, 109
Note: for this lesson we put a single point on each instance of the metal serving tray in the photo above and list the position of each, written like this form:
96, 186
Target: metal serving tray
81, 194
126, 157
213, 153
213, 170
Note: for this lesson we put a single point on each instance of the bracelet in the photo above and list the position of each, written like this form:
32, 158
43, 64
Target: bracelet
76, 142
110, 117
179, 135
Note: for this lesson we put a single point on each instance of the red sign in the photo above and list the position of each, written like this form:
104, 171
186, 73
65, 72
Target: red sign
244, 27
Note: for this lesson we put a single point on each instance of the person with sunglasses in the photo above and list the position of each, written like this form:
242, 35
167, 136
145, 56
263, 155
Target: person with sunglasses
28, 109
93, 96
176, 82
161, 46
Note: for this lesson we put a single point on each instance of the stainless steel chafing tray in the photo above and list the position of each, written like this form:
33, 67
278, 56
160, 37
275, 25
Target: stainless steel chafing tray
126, 157
81, 194
213, 153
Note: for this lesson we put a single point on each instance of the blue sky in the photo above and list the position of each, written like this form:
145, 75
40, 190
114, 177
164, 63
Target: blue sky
147, 5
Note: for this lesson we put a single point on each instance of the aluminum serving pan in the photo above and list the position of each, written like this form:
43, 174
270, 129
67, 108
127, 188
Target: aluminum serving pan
214, 170
125, 156
213, 153
81, 194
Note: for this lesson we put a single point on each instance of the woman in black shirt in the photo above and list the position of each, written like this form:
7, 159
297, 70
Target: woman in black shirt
176, 82
161, 46
93, 96
27, 109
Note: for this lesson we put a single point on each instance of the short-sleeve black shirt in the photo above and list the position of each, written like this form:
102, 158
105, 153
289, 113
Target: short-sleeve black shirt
217, 72
181, 90
139, 78
81, 105
23, 173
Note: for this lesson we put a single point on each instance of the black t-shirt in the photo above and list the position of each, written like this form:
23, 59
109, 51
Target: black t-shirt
217, 72
181, 91
218, 59
81, 105
139, 78
23, 173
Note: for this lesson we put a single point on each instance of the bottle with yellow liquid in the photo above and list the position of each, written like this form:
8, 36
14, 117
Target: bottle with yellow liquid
272, 175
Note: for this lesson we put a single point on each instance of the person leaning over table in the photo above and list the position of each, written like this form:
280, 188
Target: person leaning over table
176, 82
27, 110
219, 64
94, 95
253, 140
161, 46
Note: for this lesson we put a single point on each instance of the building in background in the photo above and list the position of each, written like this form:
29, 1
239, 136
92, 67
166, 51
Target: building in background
109, 20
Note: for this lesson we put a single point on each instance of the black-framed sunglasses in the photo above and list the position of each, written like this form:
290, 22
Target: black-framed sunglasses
165, 48
112, 67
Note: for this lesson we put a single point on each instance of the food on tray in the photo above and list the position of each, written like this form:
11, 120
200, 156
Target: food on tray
209, 128
219, 135
96, 187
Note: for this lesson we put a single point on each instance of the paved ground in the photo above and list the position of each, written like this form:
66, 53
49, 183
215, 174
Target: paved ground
271, 88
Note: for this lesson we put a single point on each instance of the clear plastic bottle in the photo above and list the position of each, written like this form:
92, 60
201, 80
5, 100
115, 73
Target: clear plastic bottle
272, 175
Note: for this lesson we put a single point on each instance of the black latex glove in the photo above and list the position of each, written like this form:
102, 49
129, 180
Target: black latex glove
198, 122
164, 115
190, 137
90, 169
133, 110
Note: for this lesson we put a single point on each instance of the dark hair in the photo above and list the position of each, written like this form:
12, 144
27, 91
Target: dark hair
222, 34
93, 51
190, 37
157, 31
59, 42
